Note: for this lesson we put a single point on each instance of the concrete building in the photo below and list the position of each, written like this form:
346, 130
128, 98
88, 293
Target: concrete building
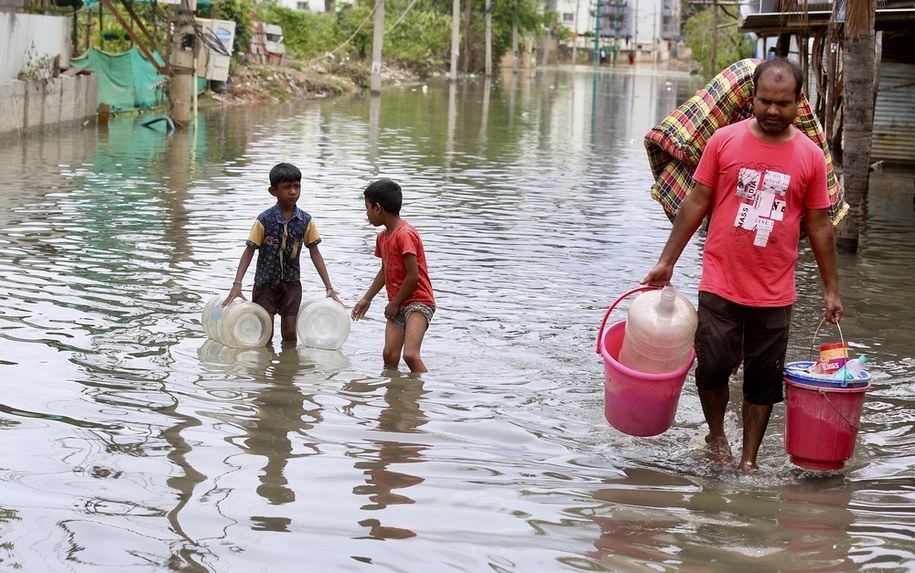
37, 85
648, 28
318, 6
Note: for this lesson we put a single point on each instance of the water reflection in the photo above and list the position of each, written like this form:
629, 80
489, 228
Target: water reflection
282, 411
686, 525
401, 414
816, 520
452, 125
374, 118
484, 116
188, 553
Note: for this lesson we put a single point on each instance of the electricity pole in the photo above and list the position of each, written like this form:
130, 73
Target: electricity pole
377, 44
713, 69
514, 45
597, 33
489, 38
184, 44
455, 35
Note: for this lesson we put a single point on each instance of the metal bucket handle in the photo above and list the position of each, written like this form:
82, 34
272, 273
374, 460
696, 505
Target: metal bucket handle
813, 342
823, 393
600, 333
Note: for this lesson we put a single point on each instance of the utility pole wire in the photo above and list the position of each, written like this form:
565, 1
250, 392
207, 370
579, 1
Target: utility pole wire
404, 13
348, 40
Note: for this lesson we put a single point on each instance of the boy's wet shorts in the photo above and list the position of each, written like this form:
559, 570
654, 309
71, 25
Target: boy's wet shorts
284, 299
727, 328
400, 321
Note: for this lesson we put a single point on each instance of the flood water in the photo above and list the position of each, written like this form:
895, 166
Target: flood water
131, 443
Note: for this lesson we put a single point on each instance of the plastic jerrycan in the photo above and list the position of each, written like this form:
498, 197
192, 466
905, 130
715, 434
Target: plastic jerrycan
660, 329
322, 323
242, 324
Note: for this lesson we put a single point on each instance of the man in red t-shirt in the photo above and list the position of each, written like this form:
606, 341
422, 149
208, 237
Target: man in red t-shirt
756, 181
404, 275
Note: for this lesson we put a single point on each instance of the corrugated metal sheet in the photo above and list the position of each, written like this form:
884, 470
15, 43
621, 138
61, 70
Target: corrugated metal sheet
894, 114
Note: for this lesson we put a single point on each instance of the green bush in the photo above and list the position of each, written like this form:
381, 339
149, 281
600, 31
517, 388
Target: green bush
420, 37
305, 34
239, 11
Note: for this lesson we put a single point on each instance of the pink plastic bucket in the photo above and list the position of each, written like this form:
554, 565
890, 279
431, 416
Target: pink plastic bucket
637, 403
821, 424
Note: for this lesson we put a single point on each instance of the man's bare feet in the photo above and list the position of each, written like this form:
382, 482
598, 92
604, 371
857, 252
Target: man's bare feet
748, 467
718, 450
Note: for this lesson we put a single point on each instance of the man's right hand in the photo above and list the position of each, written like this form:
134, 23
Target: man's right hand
659, 275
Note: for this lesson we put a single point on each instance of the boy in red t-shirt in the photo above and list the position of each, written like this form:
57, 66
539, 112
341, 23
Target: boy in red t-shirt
404, 274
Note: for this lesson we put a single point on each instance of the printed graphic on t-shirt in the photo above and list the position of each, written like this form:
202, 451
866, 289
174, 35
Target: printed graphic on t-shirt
747, 182
762, 194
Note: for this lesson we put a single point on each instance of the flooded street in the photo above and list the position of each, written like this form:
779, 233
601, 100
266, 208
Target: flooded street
132, 443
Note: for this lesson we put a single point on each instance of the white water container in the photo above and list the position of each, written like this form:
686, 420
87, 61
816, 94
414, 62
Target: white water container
218, 354
324, 359
242, 324
660, 329
322, 323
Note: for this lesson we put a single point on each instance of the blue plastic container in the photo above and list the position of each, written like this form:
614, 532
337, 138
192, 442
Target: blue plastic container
796, 372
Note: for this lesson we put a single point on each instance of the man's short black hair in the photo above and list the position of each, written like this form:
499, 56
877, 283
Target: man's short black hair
780, 66
284, 172
386, 193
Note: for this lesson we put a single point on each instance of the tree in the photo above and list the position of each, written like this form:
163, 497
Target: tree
239, 11
732, 44
858, 116
305, 34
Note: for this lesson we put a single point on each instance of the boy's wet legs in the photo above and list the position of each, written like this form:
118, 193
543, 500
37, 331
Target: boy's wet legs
287, 327
393, 344
415, 330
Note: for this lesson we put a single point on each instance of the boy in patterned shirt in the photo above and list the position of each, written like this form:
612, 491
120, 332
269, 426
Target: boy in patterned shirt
280, 233
403, 273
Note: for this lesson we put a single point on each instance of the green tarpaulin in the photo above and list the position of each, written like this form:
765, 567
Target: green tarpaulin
127, 80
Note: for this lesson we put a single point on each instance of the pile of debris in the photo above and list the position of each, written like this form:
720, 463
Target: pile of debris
265, 83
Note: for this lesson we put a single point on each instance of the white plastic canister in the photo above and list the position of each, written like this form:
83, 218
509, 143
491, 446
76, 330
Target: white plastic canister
242, 324
660, 329
322, 323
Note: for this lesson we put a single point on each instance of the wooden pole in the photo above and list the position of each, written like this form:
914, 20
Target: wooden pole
858, 65
831, 71
88, 29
